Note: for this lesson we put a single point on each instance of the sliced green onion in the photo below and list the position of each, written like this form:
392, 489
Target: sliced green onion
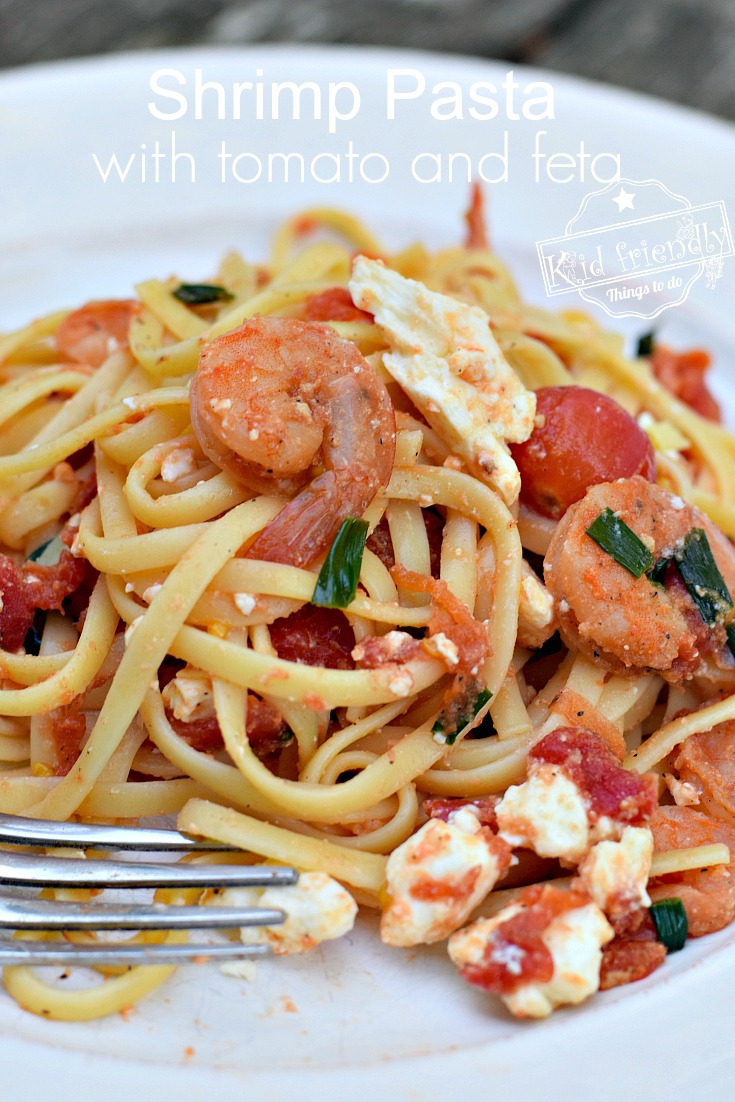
337, 582
658, 573
645, 344
670, 920
199, 294
730, 631
49, 553
466, 717
36, 555
32, 641
702, 577
614, 536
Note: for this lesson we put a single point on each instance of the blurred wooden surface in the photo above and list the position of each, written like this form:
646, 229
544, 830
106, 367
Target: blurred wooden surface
683, 50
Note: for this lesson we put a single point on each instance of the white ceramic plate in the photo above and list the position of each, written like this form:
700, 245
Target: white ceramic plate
353, 1019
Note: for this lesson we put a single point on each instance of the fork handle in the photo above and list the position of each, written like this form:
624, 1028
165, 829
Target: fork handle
19, 831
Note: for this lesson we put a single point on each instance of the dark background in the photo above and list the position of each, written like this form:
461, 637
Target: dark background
682, 50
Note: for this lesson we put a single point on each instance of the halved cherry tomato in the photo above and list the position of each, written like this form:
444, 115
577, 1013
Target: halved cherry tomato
584, 438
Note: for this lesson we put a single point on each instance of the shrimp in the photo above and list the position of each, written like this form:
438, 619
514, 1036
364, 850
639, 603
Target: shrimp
632, 624
706, 761
269, 400
708, 894
92, 333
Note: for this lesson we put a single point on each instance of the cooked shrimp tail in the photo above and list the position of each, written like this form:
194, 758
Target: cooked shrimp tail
278, 395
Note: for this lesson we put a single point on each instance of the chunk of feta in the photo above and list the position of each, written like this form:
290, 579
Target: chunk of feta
441, 646
684, 792
394, 646
177, 463
615, 874
443, 354
574, 940
547, 813
317, 909
240, 969
150, 591
536, 610
244, 602
189, 695
437, 877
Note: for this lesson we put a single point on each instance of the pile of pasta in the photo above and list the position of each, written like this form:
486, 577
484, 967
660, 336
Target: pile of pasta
150, 666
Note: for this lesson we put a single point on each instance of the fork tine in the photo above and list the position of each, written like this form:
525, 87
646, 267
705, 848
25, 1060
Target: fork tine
30, 869
46, 914
19, 831
65, 953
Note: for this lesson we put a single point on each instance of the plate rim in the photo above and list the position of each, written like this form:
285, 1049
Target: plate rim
715, 127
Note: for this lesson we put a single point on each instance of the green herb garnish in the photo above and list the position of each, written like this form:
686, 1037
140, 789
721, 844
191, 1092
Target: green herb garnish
702, 577
645, 344
49, 553
32, 641
337, 582
658, 573
462, 720
614, 536
670, 920
200, 294
36, 555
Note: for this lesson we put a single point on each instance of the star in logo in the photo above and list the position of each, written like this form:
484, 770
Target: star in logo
624, 200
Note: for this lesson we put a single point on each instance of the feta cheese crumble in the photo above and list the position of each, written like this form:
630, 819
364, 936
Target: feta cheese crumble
189, 695
615, 874
177, 463
438, 876
317, 909
443, 354
547, 814
574, 939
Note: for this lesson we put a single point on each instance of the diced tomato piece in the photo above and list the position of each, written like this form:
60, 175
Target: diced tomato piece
30, 587
634, 952
375, 651
202, 734
315, 637
582, 438
610, 790
683, 373
48, 586
441, 807
16, 613
86, 492
68, 728
381, 544
334, 304
265, 727
515, 954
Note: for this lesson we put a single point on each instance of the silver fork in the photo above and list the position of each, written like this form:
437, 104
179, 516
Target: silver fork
31, 870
